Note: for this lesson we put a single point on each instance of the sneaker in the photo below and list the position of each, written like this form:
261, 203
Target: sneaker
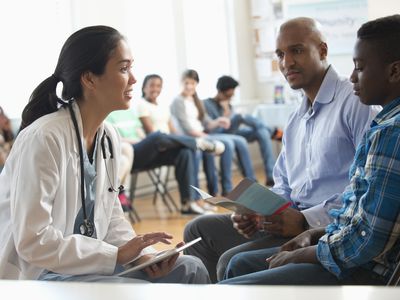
277, 134
211, 146
193, 208
270, 182
209, 207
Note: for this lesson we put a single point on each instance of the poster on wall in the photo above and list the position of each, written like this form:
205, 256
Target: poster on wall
340, 20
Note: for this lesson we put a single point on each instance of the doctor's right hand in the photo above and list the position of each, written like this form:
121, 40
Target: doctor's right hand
246, 224
133, 248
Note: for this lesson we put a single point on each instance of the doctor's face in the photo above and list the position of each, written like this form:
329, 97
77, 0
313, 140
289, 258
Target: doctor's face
114, 87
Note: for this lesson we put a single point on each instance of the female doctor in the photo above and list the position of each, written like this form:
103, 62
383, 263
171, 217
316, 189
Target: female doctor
60, 215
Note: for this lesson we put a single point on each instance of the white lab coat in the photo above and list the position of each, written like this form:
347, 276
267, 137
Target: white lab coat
40, 198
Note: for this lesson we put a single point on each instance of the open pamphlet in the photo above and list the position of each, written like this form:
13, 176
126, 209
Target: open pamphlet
248, 197
160, 256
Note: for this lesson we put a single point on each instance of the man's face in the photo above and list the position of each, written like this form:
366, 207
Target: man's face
300, 57
227, 95
370, 74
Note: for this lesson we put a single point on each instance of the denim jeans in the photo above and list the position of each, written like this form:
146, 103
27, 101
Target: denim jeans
255, 130
209, 170
251, 268
233, 144
159, 149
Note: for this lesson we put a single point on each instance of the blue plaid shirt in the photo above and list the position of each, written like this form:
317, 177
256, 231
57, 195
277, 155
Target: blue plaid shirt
365, 231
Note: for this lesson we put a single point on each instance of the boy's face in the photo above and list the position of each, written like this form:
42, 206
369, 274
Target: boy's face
370, 76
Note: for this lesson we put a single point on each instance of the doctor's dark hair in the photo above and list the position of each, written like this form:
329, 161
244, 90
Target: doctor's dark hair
384, 33
146, 79
86, 50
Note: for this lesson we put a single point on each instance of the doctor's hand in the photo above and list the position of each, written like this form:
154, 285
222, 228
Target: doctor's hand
162, 268
288, 223
246, 224
133, 248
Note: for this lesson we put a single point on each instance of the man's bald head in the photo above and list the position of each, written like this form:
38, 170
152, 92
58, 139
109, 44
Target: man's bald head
302, 54
306, 27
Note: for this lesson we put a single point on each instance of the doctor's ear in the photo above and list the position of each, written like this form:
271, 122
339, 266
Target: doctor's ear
88, 80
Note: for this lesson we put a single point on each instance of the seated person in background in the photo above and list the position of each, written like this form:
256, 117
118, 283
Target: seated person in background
244, 125
362, 243
6, 137
155, 117
318, 147
192, 120
157, 149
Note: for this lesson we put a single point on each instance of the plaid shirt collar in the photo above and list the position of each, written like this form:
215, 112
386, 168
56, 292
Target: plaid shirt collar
388, 111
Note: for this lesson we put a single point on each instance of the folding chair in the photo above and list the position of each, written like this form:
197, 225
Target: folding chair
159, 181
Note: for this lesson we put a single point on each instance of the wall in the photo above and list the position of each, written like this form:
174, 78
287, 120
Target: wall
263, 91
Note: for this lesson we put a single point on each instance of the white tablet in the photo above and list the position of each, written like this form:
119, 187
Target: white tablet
160, 256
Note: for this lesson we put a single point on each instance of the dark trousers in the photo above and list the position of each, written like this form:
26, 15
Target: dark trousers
159, 149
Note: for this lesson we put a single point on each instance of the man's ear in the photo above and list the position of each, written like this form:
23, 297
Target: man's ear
394, 72
323, 50
88, 80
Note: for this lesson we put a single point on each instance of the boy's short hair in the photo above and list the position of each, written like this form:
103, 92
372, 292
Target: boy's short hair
225, 83
385, 34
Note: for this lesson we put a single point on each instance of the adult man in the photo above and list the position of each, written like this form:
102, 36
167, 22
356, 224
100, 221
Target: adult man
318, 147
362, 244
244, 125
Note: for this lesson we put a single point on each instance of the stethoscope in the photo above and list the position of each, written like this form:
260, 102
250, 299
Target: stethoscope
87, 228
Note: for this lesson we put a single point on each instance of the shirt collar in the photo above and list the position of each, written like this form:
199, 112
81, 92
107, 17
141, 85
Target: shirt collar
326, 92
389, 111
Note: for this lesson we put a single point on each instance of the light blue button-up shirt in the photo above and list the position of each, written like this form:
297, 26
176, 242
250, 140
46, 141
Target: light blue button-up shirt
318, 148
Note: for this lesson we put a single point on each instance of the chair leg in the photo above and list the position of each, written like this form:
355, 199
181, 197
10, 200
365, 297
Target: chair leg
133, 214
161, 188
155, 177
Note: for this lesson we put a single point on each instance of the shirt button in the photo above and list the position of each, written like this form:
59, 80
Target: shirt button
363, 233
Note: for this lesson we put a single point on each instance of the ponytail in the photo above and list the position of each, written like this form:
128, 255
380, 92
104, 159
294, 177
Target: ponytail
86, 50
43, 101
199, 106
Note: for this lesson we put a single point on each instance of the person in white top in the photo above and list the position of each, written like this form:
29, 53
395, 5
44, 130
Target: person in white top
59, 211
192, 120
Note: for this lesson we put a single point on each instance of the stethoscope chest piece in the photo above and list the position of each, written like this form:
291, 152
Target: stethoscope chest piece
87, 228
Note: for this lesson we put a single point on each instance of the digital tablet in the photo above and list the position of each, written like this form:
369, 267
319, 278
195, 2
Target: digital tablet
160, 256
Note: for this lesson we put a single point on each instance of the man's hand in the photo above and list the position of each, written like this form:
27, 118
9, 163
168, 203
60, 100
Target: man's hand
288, 223
307, 238
246, 225
223, 122
302, 255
